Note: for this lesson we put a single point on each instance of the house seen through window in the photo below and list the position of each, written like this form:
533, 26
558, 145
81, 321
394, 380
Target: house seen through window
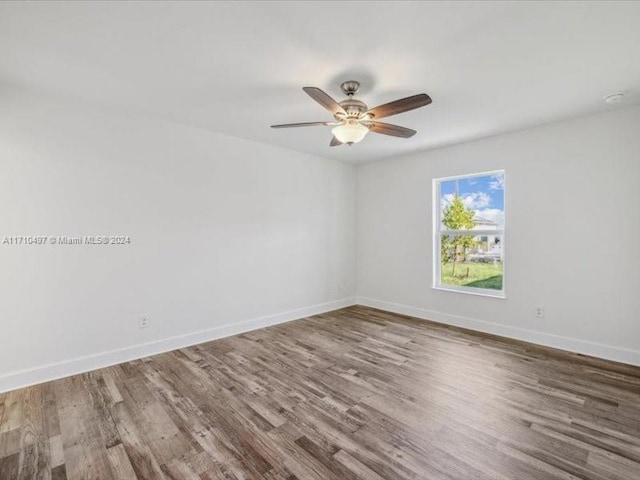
469, 231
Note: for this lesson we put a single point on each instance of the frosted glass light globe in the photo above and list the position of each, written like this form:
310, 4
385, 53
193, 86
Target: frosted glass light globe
350, 132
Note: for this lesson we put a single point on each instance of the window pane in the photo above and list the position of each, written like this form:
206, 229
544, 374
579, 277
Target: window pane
472, 203
471, 261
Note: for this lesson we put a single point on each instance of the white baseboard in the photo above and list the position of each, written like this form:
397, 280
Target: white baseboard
33, 376
585, 347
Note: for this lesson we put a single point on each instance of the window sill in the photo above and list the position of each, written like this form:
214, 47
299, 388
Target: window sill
471, 291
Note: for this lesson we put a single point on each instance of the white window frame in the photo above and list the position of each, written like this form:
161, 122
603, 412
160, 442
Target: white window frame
439, 230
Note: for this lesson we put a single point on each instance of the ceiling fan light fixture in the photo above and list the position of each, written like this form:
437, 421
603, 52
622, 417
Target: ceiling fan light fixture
349, 133
354, 119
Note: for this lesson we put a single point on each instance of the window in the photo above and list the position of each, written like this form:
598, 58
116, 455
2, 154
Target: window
469, 226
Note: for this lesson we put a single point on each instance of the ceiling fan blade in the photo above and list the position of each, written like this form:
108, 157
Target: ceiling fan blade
306, 124
325, 100
388, 129
335, 142
399, 106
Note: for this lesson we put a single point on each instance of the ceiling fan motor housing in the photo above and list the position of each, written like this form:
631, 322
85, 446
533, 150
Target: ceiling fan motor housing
353, 107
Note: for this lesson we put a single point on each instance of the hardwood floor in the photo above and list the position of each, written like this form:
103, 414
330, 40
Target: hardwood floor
353, 394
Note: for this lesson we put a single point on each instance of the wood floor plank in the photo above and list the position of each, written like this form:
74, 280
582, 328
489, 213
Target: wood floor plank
9, 466
3, 397
51, 420
144, 463
56, 449
59, 473
121, 466
35, 455
12, 413
353, 394
84, 448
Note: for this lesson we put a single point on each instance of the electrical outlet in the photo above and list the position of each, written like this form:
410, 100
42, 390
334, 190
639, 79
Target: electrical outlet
539, 311
143, 321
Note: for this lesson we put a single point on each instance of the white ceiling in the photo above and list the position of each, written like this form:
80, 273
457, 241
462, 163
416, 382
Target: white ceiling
237, 68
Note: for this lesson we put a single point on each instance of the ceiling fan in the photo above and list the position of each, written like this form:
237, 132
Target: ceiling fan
353, 119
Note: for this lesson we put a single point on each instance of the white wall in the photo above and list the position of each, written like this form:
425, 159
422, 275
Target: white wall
572, 244
223, 231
